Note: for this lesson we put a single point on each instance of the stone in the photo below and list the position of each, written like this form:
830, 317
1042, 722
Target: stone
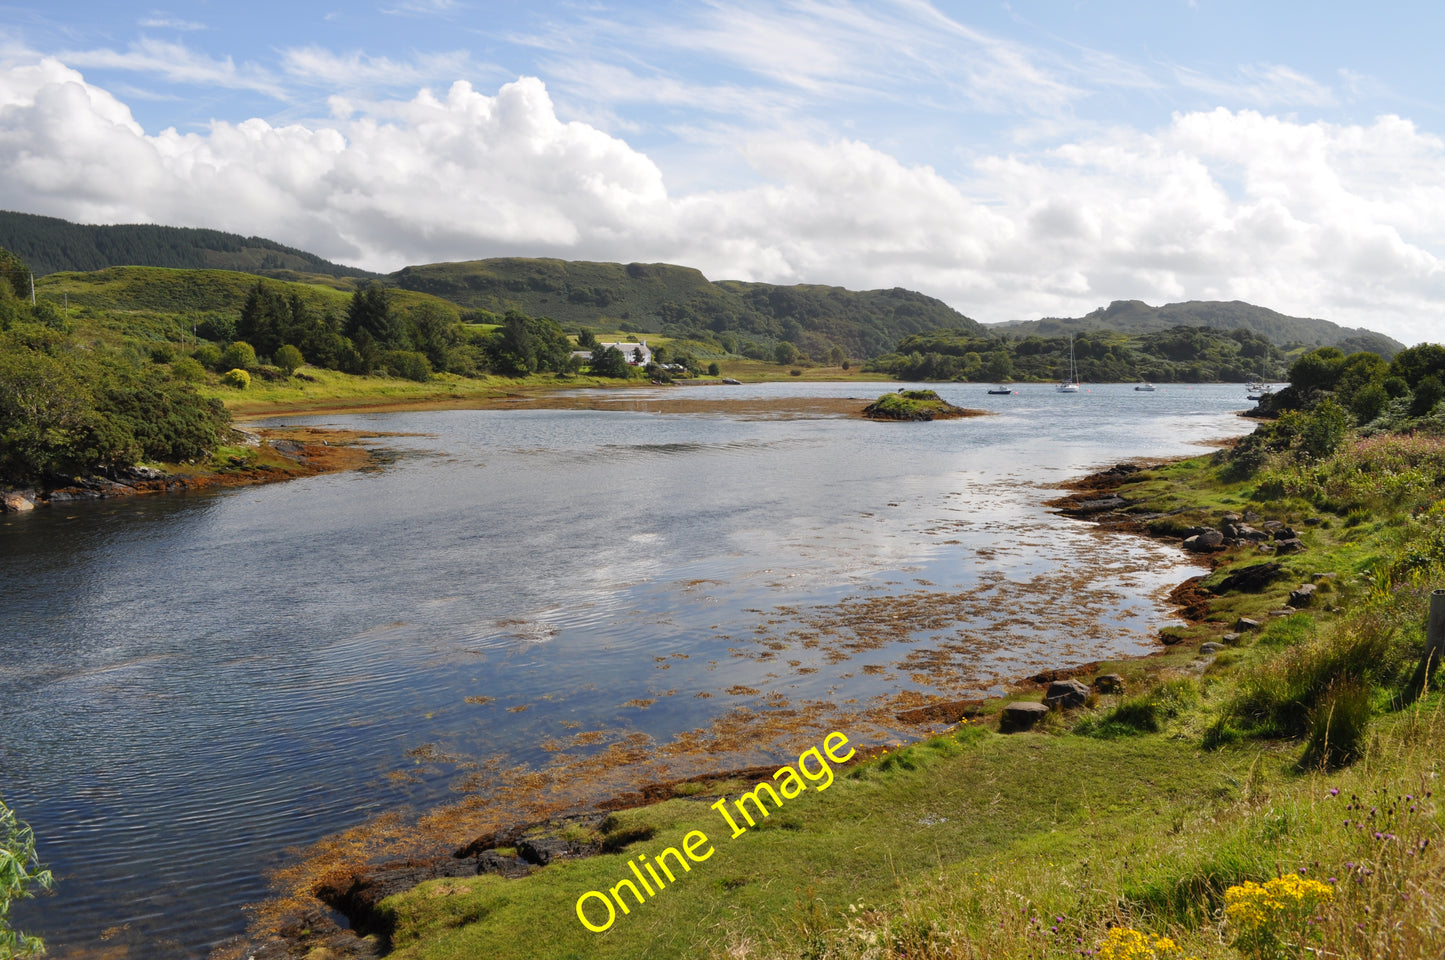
1283, 612
1109, 683
1245, 532
1302, 595
1251, 517
1210, 647
543, 850
1271, 525
1020, 716
1065, 694
1204, 542
1284, 533
1231, 518
1290, 545
16, 502
1231, 638
1245, 624
1251, 579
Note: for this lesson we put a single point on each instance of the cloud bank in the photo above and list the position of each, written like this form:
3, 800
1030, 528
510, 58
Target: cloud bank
1319, 219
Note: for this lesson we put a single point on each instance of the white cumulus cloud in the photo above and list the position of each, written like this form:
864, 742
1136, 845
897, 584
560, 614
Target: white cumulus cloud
1317, 219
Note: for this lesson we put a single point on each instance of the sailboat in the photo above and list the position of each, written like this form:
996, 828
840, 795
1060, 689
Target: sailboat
1070, 385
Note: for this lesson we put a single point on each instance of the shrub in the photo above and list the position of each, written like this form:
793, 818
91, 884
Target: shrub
288, 358
408, 364
237, 378
713, 370
188, 369
238, 355
19, 873
208, 355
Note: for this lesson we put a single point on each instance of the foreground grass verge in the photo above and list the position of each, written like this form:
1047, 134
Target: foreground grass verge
1157, 822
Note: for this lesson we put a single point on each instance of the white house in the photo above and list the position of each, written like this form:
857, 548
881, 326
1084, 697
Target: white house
637, 354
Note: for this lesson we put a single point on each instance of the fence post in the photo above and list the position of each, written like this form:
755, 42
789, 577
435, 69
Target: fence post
1434, 647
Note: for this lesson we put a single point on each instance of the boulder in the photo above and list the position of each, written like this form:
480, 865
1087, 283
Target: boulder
16, 501
1231, 518
1210, 647
1251, 517
1021, 716
1302, 595
1205, 542
1109, 683
1289, 545
1064, 694
543, 850
1271, 525
1284, 533
1250, 579
1245, 624
1245, 532
1230, 638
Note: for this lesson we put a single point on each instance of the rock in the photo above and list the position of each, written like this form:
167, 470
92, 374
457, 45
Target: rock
1291, 545
1302, 595
1231, 638
1017, 717
139, 472
1324, 576
1313, 521
1109, 683
1284, 533
1251, 517
1098, 506
490, 861
1283, 612
1064, 694
1231, 518
1245, 532
1230, 531
1210, 647
543, 850
1271, 525
1245, 624
1251, 579
1205, 542
17, 501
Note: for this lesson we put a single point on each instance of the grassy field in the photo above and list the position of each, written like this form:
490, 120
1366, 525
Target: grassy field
1275, 798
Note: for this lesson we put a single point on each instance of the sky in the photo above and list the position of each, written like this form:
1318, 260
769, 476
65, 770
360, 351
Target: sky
1015, 159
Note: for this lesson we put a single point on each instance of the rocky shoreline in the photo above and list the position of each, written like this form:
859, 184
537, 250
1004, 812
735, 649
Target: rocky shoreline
285, 454
354, 897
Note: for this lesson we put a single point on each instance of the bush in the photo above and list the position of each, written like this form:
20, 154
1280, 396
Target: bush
238, 355
288, 358
208, 355
188, 369
237, 378
713, 370
408, 364
20, 871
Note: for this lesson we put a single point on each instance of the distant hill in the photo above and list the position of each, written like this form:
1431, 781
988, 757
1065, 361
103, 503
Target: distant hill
50, 245
662, 298
1137, 317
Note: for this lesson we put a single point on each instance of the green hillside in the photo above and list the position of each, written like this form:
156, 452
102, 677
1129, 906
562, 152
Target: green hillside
189, 292
673, 300
51, 245
1137, 317
1181, 354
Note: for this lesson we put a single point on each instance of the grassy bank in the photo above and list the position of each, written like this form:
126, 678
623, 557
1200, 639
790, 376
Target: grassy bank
1269, 797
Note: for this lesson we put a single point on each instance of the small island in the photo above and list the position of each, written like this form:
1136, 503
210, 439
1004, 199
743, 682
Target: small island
915, 405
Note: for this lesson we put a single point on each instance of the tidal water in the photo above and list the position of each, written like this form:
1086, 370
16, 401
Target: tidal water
190, 685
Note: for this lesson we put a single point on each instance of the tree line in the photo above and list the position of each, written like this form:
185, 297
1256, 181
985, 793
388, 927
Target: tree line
1180, 354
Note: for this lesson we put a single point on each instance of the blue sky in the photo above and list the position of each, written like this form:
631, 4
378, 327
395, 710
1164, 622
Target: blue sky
1016, 159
